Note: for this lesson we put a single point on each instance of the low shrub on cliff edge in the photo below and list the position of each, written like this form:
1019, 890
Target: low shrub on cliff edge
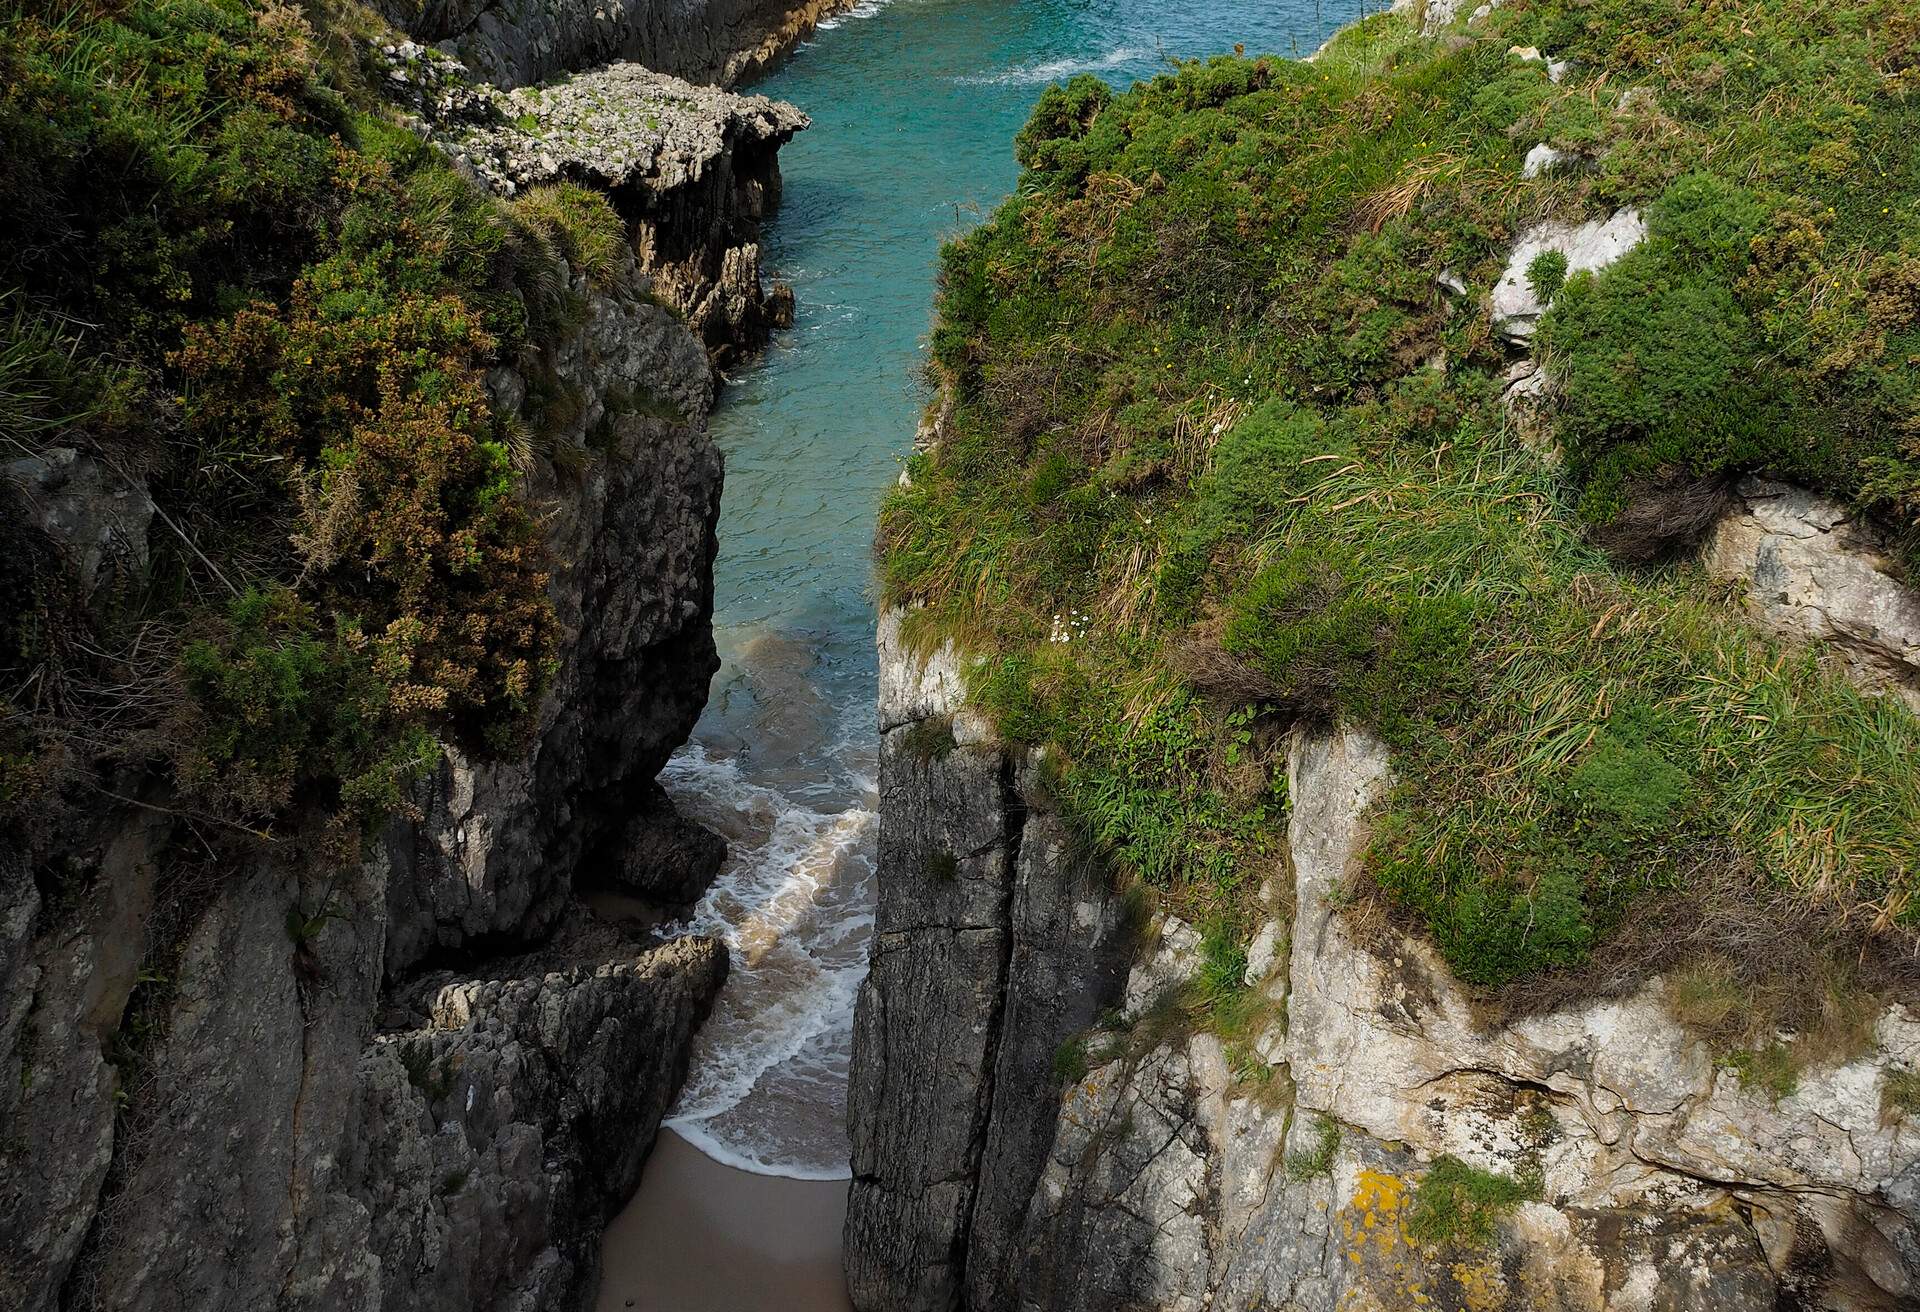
230, 279
1225, 447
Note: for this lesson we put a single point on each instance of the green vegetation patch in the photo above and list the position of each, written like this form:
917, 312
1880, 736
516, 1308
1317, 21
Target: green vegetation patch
1456, 1205
1227, 456
230, 278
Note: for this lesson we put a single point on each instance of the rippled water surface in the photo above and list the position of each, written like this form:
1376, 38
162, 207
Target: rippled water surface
914, 107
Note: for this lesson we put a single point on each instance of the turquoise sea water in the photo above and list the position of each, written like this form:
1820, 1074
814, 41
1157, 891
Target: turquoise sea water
914, 105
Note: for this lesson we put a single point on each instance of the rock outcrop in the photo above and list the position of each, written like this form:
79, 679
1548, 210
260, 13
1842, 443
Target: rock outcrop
1586, 247
97, 516
1815, 570
1642, 1173
498, 846
994, 943
516, 42
693, 170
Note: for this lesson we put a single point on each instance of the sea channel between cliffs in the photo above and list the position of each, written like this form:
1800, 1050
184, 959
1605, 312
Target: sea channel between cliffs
913, 107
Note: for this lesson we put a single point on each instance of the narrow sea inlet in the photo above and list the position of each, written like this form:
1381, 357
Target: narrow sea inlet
914, 106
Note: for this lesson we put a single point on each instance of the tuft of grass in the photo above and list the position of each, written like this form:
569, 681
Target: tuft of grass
1899, 1094
581, 222
1316, 1161
1547, 274
1071, 1061
930, 739
1457, 1206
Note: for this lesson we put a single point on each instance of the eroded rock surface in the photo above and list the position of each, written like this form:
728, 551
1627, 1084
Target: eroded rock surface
1180, 1177
993, 945
692, 169
97, 517
1815, 570
520, 1117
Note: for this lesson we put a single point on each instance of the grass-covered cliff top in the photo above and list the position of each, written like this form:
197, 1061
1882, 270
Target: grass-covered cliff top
1224, 454
231, 280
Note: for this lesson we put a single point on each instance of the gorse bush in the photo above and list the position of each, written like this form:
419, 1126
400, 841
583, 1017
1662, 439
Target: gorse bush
229, 276
1225, 451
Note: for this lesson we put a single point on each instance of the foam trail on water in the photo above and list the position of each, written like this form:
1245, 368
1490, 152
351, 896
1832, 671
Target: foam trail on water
865, 9
1058, 70
792, 906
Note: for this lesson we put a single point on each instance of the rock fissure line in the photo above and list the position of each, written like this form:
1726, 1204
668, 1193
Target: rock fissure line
1014, 817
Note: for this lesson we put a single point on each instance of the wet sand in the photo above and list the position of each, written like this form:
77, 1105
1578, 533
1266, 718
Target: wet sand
702, 1237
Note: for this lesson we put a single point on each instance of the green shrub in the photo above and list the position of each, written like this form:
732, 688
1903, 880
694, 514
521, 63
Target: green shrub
1547, 274
1058, 123
290, 305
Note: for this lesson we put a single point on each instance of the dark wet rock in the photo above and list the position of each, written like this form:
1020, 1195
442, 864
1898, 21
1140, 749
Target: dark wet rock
661, 856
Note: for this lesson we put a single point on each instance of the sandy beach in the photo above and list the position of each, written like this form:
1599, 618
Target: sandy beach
702, 1237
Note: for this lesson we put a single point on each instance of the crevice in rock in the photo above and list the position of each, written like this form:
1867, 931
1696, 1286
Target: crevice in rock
1013, 810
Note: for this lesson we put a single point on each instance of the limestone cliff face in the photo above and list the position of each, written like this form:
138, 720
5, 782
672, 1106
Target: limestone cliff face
1166, 1178
231, 1085
515, 42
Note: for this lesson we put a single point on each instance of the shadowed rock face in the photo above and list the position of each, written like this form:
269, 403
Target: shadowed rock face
495, 854
205, 1112
515, 42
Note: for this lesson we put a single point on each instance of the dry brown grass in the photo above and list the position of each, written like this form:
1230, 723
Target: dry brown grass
1395, 200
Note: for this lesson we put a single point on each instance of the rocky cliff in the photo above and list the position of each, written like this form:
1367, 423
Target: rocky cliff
208, 1113
1408, 557
515, 42
251, 1075
1038, 1125
693, 170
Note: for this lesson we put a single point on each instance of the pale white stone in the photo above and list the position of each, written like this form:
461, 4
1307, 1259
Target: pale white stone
1541, 159
1174, 961
1814, 572
1260, 953
1588, 246
912, 686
